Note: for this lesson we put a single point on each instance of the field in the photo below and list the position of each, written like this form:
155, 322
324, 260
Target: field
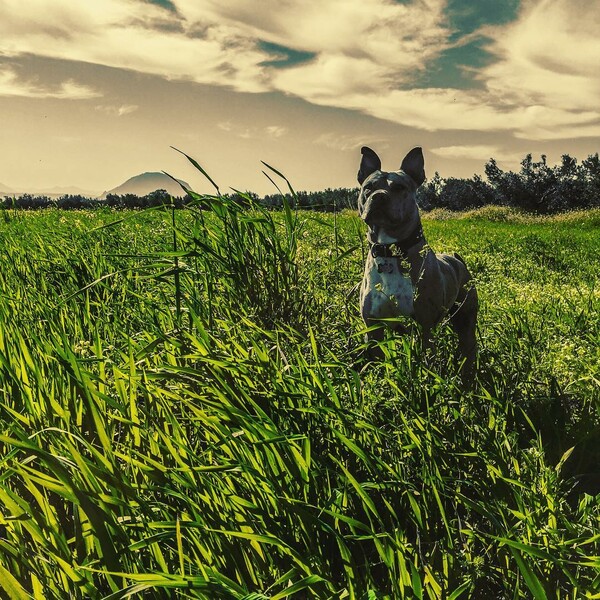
185, 412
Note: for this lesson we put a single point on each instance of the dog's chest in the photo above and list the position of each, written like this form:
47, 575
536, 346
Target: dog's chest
387, 289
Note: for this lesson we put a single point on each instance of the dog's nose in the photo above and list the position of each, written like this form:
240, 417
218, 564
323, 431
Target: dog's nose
379, 194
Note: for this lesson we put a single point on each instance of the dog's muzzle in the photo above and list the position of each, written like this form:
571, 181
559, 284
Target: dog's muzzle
375, 202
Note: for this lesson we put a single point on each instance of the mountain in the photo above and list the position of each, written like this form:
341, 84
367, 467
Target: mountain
4, 189
54, 192
143, 184
140, 185
72, 191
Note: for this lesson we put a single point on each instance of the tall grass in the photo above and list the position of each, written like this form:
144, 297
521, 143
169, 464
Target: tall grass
184, 413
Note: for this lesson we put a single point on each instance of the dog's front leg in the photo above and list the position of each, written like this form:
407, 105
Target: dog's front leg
427, 341
464, 323
370, 302
373, 338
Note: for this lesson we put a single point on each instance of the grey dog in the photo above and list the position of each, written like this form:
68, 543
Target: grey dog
403, 276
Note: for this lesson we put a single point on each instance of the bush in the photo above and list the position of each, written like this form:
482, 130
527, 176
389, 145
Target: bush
538, 188
76, 201
27, 202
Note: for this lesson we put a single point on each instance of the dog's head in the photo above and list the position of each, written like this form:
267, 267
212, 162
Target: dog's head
387, 199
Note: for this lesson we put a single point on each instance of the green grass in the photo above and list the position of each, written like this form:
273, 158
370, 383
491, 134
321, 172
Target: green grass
184, 412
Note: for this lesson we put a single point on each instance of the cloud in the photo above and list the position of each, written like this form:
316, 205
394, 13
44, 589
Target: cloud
476, 152
347, 143
132, 34
271, 131
549, 56
66, 139
561, 132
276, 131
434, 109
359, 46
119, 111
331, 79
532, 89
546, 69
400, 36
541, 82
479, 152
13, 85
373, 42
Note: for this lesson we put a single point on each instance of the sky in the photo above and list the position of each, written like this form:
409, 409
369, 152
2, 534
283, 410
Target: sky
93, 92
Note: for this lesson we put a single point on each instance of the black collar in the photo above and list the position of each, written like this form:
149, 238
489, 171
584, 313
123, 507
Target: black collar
400, 248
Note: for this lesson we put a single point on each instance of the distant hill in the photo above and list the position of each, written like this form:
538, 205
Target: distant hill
143, 184
70, 190
54, 192
4, 189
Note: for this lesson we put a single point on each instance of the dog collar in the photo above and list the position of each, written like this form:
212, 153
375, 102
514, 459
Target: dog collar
399, 248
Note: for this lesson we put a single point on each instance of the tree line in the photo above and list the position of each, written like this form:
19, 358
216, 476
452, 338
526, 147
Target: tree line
536, 188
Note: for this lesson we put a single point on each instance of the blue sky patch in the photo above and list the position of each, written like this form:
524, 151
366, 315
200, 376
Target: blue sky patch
457, 67
284, 57
164, 3
466, 17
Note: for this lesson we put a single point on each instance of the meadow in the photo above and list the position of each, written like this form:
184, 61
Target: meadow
186, 412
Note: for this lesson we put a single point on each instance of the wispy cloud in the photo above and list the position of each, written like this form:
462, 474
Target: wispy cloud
222, 43
237, 130
479, 152
546, 69
347, 143
271, 131
396, 39
529, 89
276, 131
118, 111
433, 109
13, 85
134, 34
66, 139
560, 131
549, 56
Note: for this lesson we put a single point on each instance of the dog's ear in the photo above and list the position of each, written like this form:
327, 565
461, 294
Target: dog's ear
414, 165
369, 164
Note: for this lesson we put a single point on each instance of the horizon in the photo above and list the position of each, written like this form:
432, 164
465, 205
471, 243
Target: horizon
91, 96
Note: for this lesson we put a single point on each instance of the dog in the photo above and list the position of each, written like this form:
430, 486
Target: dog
403, 276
